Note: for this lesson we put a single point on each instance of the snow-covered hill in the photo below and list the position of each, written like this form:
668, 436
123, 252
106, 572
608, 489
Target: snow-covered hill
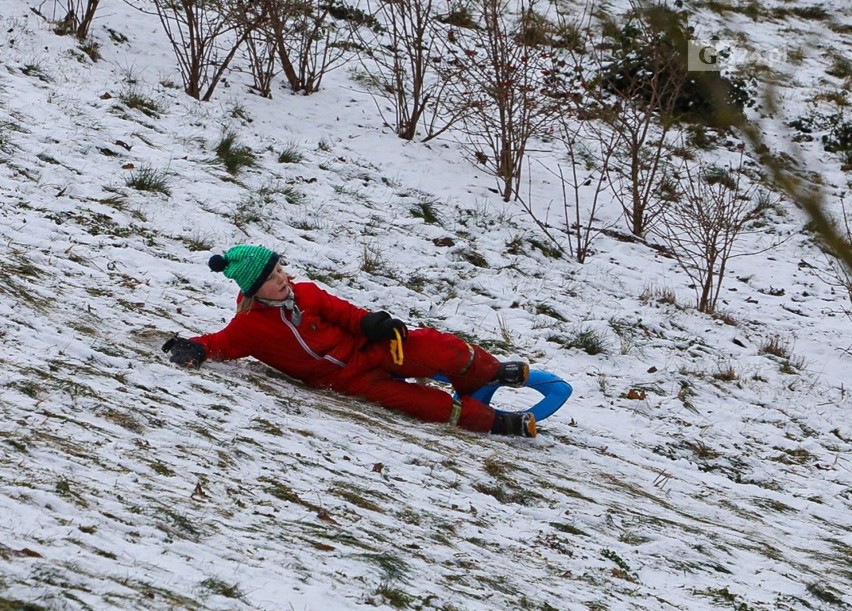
691, 469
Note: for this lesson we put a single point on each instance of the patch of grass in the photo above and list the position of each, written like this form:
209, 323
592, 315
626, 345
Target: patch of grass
290, 154
218, 587
773, 505
393, 567
623, 571
372, 260
496, 346
116, 202
150, 180
251, 209
116, 36
700, 137
723, 596
473, 257
634, 539
626, 331
426, 210
29, 388
354, 195
47, 159
35, 70
234, 156
515, 246
92, 49
776, 346
792, 366
395, 597
182, 523
548, 310
796, 456
197, 243
505, 494
495, 467
841, 66
5, 142
132, 98
749, 8
840, 28
293, 195
20, 446
685, 395
535, 30
124, 419
825, 593
357, 498
569, 36
588, 340
808, 13
569, 529
255, 206
725, 372
460, 17
416, 282
10, 604
267, 427
331, 277
238, 111
658, 294
702, 451
726, 317
837, 98
64, 489
356, 16
549, 250
162, 469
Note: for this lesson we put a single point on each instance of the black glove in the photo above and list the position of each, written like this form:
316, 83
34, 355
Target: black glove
377, 326
185, 352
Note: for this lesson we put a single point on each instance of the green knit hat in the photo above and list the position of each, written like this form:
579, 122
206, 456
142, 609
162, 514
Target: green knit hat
249, 266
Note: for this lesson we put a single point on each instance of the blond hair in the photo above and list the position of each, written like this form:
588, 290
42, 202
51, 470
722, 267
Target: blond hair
245, 304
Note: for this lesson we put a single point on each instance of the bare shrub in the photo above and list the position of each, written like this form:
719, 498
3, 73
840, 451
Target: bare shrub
585, 188
205, 35
634, 88
841, 274
723, 108
835, 273
505, 88
261, 53
78, 17
399, 57
702, 225
311, 37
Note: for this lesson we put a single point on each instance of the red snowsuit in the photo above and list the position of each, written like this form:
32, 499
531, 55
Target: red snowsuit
325, 351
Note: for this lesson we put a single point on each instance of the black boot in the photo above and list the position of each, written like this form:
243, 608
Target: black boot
521, 424
512, 373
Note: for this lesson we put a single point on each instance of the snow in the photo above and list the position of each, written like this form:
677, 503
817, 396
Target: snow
128, 483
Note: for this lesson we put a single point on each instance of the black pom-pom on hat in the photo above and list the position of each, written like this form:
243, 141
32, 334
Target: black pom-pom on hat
217, 263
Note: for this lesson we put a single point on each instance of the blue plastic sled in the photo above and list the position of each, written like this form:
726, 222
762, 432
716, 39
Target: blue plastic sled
555, 390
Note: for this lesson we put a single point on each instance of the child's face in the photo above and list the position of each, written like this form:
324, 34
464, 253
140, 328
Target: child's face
277, 285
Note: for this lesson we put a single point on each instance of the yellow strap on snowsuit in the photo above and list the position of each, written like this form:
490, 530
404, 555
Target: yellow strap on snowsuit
396, 348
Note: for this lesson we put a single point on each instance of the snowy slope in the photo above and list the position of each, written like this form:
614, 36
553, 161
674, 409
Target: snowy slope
127, 483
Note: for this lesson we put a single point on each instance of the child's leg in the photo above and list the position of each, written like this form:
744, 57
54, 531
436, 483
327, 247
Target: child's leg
428, 352
423, 402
